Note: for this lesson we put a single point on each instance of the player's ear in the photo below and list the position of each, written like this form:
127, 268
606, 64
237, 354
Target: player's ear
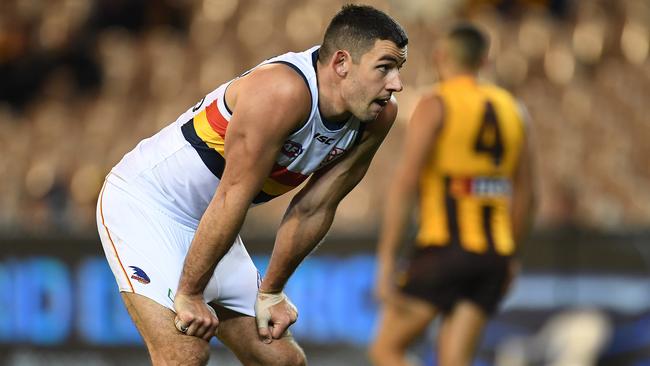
340, 62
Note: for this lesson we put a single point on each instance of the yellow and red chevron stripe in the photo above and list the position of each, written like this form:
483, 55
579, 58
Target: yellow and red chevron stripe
285, 176
209, 128
281, 180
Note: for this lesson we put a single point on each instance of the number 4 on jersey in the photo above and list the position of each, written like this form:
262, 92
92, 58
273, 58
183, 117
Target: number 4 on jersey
489, 140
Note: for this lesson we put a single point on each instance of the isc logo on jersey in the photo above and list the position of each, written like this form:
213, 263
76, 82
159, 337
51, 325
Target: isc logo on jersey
324, 139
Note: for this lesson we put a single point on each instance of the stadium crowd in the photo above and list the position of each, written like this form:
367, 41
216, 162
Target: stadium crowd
81, 82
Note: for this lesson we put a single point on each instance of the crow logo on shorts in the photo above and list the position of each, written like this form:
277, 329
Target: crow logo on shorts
139, 275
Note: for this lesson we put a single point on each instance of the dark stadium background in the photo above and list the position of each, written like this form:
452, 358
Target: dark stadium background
82, 81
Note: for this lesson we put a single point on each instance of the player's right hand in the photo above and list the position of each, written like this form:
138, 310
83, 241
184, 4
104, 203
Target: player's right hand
194, 317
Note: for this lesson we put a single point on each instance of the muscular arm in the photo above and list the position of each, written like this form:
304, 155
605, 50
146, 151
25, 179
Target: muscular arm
264, 114
420, 137
311, 212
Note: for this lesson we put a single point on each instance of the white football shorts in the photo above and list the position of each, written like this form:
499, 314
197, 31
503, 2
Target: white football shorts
146, 248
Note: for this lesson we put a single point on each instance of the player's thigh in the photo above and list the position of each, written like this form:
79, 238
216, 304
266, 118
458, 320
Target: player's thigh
402, 320
144, 247
460, 333
165, 343
239, 333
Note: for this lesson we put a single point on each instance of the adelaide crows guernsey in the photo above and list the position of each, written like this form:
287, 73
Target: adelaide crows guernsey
179, 168
467, 183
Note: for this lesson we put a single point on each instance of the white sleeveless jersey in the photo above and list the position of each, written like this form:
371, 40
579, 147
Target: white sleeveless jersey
178, 169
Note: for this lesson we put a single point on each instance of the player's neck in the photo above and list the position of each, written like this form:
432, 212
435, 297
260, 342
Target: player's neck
330, 102
452, 72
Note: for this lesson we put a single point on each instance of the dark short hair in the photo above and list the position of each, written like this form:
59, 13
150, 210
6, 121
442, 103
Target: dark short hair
355, 28
471, 45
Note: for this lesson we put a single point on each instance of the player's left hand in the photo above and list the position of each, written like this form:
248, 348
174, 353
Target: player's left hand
274, 313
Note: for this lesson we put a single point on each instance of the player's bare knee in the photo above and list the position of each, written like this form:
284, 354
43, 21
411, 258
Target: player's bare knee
293, 356
196, 355
184, 353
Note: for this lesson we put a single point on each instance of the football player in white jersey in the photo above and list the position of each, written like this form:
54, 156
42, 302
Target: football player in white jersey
170, 212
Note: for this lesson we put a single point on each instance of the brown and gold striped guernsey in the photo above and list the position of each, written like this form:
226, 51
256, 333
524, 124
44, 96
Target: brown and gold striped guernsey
467, 183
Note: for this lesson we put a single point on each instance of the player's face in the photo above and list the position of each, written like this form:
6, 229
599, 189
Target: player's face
374, 79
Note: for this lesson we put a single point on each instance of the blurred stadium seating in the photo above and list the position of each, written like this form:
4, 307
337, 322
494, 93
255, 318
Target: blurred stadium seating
82, 81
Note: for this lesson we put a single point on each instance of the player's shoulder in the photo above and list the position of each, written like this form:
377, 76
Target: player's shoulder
280, 79
430, 102
273, 87
505, 95
496, 91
